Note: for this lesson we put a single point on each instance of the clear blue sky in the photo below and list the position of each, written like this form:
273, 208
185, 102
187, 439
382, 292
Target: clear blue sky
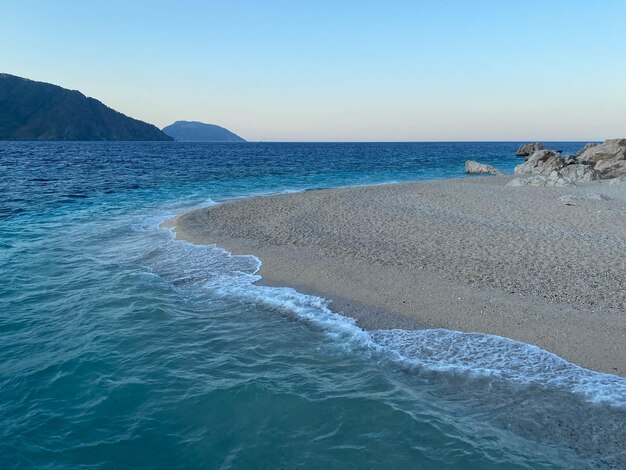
337, 70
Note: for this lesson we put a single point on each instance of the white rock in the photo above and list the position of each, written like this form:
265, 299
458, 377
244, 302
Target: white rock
556, 178
542, 162
579, 173
585, 148
612, 149
474, 168
611, 168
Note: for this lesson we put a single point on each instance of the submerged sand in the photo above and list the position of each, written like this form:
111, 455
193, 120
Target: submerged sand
466, 254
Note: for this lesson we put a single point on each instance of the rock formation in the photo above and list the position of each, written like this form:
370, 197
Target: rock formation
474, 168
585, 148
592, 162
528, 149
579, 173
542, 162
612, 149
607, 158
611, 168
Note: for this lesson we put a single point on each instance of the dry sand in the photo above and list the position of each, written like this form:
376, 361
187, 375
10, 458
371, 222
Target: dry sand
466, 254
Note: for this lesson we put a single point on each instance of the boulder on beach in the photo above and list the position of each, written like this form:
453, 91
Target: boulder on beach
579, 173
565, 176
593, 162
585, 148
475, 168
557, 178
527, 150
611, 149
542, 162
610, 168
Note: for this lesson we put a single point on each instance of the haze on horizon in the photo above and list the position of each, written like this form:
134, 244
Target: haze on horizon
324, 71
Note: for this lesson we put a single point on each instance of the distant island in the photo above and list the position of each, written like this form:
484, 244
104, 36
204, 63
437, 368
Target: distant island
193, 131
31, 110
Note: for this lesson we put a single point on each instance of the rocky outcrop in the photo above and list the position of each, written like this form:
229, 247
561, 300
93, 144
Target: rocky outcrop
612, 149
474, 168
593, 162
569, 160
611, 168
565, 176
528, 149
542, 162
579, 173
585, 148
557, 178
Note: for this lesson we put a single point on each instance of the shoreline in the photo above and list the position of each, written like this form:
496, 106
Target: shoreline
467, 254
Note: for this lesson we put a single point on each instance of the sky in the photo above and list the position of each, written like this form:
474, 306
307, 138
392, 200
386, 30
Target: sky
321, 70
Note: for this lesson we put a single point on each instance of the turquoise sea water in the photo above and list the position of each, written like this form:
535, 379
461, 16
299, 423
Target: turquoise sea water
123, 348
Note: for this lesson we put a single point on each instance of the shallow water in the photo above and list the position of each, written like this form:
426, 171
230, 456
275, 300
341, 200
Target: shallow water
124, 348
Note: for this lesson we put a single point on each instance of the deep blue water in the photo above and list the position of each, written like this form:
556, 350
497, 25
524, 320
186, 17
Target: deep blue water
123, 348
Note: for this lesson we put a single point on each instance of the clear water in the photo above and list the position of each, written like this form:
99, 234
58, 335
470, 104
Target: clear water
123, 348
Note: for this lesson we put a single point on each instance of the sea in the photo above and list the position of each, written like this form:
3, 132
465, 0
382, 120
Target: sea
123, 348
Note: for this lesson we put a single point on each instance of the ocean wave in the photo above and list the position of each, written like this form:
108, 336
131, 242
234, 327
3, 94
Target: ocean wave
478, 354
473, 355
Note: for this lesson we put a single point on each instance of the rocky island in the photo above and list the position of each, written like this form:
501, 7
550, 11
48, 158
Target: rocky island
193, 131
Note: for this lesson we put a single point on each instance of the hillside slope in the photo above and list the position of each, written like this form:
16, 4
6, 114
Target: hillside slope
31, 110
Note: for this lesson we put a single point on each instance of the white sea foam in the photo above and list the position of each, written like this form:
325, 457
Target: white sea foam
441, 350
194, 206
504, 358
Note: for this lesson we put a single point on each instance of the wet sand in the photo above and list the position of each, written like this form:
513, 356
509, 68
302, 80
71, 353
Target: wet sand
467, 254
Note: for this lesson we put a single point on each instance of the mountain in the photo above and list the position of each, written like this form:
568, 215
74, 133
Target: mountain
193, 131
32, 110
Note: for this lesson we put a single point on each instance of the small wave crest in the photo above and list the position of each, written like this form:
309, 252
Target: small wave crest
473, 355
486, 355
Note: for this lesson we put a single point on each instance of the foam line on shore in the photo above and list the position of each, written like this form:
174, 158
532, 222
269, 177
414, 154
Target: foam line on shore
475, 356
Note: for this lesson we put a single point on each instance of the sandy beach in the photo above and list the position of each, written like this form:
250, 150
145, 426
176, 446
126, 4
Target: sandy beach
546, 266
